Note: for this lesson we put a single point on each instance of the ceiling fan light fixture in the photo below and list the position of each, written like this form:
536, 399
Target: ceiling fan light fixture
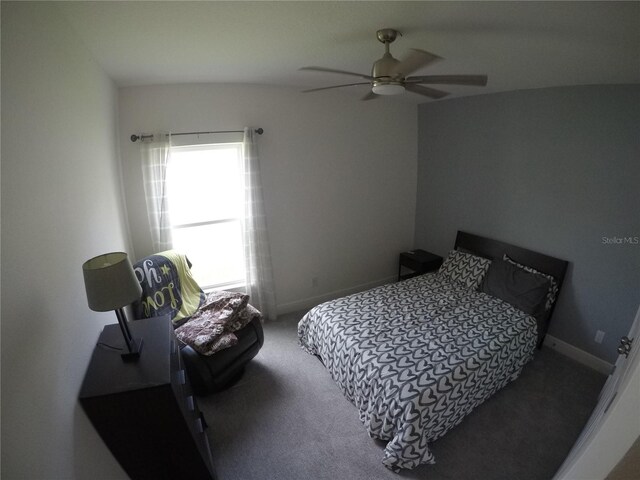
388, 88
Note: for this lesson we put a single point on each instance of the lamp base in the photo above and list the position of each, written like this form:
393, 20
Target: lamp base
134, 351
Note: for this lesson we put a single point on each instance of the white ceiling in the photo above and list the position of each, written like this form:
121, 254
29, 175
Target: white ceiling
519, 45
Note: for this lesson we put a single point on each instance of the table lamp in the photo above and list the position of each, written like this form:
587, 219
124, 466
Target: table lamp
111, 284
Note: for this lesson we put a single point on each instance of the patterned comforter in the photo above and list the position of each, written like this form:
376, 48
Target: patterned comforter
416, 357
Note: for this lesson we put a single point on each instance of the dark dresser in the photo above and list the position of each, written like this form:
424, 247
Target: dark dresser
145, 411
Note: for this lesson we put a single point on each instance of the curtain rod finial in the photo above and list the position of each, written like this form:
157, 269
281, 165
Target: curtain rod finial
259, 131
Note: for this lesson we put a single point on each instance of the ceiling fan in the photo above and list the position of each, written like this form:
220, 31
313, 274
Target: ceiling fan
389, 76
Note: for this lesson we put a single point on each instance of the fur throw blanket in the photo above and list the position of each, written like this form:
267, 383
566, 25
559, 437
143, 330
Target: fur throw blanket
212, 327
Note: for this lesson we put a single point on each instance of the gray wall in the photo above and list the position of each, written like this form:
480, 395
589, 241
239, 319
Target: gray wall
554, 170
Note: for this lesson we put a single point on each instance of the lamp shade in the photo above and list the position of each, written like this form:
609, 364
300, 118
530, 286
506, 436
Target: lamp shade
110, 282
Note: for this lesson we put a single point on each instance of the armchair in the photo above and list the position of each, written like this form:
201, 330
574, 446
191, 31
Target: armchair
169, 288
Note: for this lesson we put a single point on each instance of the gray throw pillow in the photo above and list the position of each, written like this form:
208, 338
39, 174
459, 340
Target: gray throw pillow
527, 291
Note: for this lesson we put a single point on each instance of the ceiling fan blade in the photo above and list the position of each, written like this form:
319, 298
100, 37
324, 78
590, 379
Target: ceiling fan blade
370, 96
331, 70
413, 61
478, 80
335, 86
426, 91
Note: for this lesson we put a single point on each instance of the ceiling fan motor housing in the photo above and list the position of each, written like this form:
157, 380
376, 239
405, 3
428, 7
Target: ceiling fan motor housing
383, 68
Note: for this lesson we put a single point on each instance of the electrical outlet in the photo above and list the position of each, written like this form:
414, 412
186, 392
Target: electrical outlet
599, 336
314, 282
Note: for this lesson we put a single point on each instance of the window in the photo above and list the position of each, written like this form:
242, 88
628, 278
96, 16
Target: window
205, 187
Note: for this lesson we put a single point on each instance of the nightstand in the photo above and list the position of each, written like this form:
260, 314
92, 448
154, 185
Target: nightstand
417, 262
145, 410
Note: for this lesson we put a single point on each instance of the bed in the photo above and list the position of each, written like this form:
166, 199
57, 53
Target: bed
415, 357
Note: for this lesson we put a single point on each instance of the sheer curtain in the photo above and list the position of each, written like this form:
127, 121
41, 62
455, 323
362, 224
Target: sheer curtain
155, 158
259, 276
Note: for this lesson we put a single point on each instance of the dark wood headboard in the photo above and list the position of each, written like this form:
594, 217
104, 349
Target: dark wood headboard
495, 249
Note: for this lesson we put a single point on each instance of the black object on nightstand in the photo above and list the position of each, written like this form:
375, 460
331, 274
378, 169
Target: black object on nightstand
417, 262
145, 411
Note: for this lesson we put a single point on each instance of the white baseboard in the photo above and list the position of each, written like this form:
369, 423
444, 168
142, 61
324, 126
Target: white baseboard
310, 302
578, 355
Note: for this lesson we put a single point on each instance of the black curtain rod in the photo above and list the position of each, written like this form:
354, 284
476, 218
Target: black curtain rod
135, 138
